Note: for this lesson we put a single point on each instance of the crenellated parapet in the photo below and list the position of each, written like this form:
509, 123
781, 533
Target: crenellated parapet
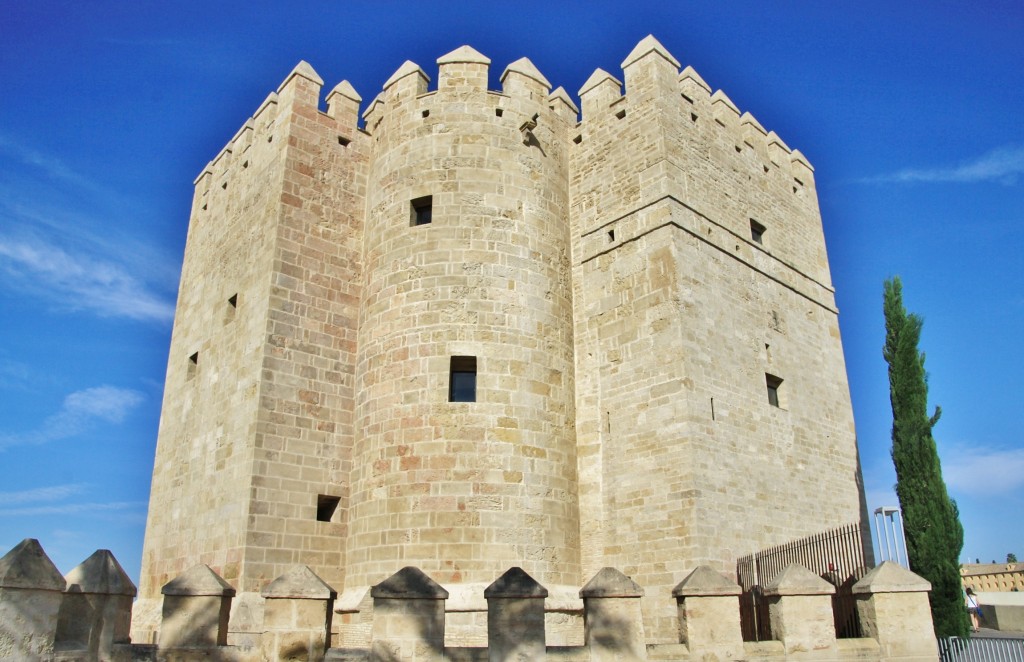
473, 329
465, 238
407, 107
410, 611
666, 135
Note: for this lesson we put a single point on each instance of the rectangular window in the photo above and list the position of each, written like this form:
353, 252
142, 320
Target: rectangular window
757, 231
462, 379
325, 507
422, 210
774, 385
229, 312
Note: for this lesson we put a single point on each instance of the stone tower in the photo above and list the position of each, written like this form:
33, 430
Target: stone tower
472, 332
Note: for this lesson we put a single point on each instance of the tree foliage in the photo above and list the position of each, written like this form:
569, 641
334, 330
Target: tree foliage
931, 521
1011, 558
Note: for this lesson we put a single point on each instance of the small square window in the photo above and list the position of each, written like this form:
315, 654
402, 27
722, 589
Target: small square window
462, 379
422, 210
774, 385
193, 365
757, 231
325, 507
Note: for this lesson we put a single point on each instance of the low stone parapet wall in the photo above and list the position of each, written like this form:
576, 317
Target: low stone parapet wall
86, 615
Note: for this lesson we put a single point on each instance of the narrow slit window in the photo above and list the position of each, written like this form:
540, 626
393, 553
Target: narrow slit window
462, 379
611, 235
343, 141
422, 210
193, 365
578, 139
774, 386
229, 312
325, 507
757, 231
621, 114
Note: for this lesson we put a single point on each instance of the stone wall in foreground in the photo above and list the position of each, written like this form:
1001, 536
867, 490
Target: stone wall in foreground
85, 617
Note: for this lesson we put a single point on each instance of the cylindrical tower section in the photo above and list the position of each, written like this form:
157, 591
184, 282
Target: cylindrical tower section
464, 458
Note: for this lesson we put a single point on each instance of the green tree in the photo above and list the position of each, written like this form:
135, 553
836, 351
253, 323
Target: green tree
931, 521
1011, 558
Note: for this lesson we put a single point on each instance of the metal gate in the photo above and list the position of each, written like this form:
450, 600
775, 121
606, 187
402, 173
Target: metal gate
837, 556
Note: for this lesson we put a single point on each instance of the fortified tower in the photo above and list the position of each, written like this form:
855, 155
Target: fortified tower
473, 332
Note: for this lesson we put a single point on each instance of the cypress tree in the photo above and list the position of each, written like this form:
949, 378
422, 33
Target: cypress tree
931, 521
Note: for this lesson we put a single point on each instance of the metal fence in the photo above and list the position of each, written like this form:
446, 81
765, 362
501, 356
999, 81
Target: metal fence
981, 649
837, 556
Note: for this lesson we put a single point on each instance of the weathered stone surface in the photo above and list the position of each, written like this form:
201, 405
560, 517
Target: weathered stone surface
890, 577
196, 609
95, 615
795, 579
407, 584
709, 617
611, 583
26, 565
297, 616
199, 580
705, 580
102, 574
515, 583
408, 617
515, 617
30, 597
800, 611
614, 624
602, 272
299, 582
893, 606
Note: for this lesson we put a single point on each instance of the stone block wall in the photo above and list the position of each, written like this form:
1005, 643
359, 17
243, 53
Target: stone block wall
409, 618
626, 289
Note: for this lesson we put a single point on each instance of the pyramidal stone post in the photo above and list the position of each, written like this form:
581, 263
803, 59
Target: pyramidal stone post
31, 591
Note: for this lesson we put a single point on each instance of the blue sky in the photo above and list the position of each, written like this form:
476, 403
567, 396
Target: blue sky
909, 111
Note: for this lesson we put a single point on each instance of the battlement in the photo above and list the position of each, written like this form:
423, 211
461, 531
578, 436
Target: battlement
86, 616
479, 329
654, 84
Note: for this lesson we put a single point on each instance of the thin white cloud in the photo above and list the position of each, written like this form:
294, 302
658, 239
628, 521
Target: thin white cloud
1003, 165
77, 282
984, 471
78, 413
16, 375
70, 508
41, 494
51, 166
